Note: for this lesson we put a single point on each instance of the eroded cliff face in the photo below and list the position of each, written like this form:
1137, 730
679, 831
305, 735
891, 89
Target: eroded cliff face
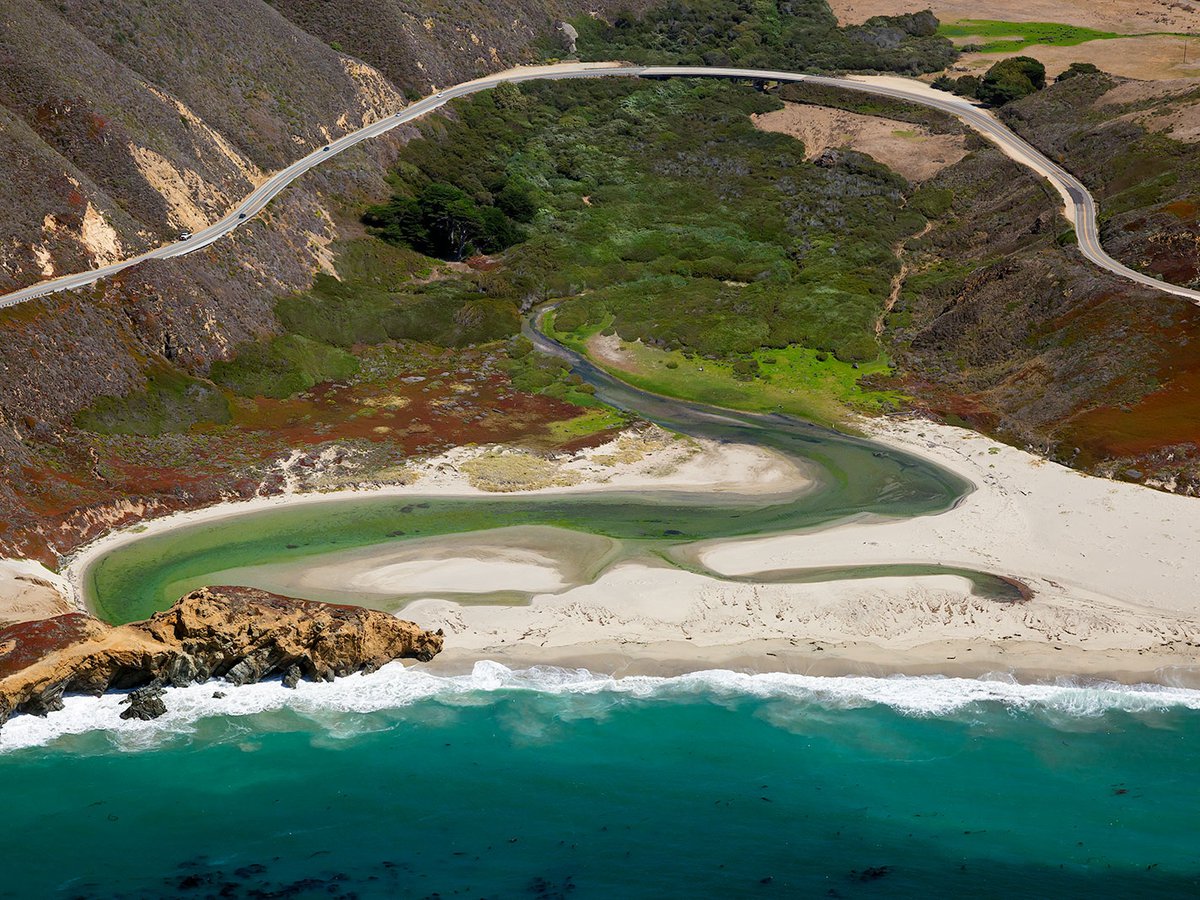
239, 634
122, 123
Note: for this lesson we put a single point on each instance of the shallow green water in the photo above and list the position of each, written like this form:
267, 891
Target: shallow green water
557, 784
852, 477
494, 785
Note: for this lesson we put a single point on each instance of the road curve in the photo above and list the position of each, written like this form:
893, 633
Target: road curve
1078, 203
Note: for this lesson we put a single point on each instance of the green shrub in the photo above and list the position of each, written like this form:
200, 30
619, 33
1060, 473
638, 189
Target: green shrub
1011, 79
171, 402
1075, 69
283, 366
342, 313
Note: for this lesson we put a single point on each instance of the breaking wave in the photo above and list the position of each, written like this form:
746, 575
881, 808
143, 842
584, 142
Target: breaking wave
395, 687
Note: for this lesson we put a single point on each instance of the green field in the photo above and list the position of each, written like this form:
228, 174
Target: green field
800, 381
1007, 37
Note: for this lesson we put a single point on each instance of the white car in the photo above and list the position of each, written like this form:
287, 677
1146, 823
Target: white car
185, 235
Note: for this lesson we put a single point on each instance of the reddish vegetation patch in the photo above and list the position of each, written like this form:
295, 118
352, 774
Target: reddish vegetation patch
483, 263
413, 402
1184, 210
1164, 418
24, 644
1167, 417
1153, 369
414, 417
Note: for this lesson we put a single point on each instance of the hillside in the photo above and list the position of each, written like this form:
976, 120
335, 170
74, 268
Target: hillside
129, 122
1003, 323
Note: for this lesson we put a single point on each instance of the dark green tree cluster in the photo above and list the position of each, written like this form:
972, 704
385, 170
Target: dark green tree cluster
1076, 69
1006, 81
444, 221
792, 34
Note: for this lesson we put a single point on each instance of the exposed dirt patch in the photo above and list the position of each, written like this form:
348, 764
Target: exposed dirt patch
1181, 122
609, 348
912, 150
1150, 58
1126, 16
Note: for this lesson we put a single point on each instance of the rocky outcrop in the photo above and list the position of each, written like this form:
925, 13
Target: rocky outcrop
239, 634
145, 703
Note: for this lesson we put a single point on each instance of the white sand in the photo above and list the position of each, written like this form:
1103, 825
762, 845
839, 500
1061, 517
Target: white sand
1114, 567
675, 464
28, 590
1063, 532
1112, 564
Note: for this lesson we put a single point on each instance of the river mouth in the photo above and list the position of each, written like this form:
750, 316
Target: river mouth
851, 478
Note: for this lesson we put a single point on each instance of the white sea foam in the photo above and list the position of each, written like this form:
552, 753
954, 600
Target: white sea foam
397, 687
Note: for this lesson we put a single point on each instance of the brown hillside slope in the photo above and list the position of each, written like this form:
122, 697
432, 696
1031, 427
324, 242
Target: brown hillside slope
160, 116
122, 122
1004, 324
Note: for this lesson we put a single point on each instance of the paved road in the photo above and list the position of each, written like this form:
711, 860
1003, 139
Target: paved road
1078, 203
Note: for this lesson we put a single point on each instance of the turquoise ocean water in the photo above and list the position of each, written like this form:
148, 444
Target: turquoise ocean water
553, 784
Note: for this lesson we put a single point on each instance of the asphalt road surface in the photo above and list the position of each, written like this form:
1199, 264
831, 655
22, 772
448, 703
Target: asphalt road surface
1078, 203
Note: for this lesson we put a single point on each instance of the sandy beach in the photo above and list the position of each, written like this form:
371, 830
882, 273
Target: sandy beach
1112, 565
1117, 593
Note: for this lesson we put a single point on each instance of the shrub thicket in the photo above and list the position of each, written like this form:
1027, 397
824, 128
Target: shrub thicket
664, 214
791, 34
1006, 81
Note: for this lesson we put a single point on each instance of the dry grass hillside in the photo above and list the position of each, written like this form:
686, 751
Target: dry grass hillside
1126, 16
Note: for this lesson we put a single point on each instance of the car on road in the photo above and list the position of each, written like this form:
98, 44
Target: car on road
185, 235
241, 215
441, 93
325, 148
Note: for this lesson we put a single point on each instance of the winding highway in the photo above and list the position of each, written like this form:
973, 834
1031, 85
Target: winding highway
1079, 205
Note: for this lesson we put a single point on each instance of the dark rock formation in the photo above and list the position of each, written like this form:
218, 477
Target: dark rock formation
239, 634
145, 703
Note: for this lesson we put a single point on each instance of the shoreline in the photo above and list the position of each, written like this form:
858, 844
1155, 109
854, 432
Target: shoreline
831, 685
1125, 614
686, 465
1034, 664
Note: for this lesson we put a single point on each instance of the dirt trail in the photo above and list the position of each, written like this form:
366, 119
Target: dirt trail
898, 278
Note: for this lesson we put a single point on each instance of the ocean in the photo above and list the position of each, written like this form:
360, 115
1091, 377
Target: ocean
557, 783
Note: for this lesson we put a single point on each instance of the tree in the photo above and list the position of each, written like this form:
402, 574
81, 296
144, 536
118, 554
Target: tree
516, 199
1079, 68
444, 221
1011, 79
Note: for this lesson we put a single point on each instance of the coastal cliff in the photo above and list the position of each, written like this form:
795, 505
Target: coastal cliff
239, 634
